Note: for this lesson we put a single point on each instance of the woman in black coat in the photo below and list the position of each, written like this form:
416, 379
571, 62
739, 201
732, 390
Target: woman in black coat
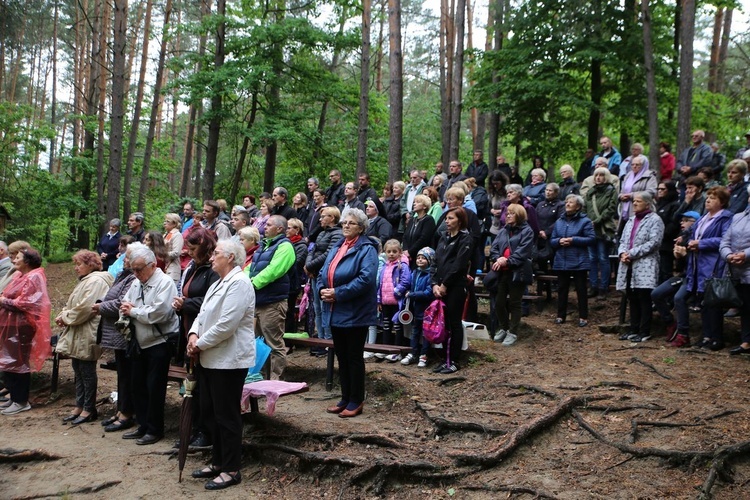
194, 284
667, 204
453, 255
419, 230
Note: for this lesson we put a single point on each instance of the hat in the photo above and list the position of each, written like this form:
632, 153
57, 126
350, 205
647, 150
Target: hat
692, 215
428, 253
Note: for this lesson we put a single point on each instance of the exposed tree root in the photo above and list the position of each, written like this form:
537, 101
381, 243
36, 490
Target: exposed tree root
451, 381
724, 413
9, 455
524, 432
720, 469
381, 472
531, 388
619, 383
510, 490
309, 457
617, 408
81, 491
443, 425
376, 439
650, 366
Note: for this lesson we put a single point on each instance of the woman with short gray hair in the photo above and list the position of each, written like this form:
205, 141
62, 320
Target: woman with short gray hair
534, 192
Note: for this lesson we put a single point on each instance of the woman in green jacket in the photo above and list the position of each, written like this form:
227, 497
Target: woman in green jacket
601, 208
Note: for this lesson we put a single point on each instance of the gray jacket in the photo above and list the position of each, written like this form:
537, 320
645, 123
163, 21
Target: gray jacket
737, 239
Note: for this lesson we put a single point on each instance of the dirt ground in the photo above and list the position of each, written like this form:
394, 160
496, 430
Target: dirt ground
512, 423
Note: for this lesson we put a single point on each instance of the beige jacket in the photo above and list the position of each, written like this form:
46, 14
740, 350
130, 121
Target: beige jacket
78, 339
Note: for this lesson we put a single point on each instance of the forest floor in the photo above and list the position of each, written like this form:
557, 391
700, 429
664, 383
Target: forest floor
565, 413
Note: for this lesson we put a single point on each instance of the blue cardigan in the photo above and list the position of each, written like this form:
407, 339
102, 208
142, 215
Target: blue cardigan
354, 286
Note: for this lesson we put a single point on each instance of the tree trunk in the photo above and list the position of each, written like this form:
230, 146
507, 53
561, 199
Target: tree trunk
723, 51
653, 109
237, 180
494, 118
396, 94
676, 54
187, 164
684, 104
154, 110
446, 71
214, 126
135, 123
53, 106
364, 88
477, 138
715, 47
102, 114
198, 155
133, 42
118, 108
458, 75
379, 51
596, 101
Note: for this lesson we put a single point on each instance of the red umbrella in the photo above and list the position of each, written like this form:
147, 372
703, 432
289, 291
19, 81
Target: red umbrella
186, 417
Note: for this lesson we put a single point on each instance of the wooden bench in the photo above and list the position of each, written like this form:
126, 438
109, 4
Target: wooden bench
327, 343
178, 374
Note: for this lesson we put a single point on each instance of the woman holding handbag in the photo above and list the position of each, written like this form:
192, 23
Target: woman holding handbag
734, 249
510, 257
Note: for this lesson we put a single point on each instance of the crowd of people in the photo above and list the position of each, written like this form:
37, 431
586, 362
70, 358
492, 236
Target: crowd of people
200, 291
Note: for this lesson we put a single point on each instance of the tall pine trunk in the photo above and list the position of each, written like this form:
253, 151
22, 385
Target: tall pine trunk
135, 123
154, 110
685, 100
497, 11
364, 88
396, 94
118, 108
458, 74
653, 109
214, 126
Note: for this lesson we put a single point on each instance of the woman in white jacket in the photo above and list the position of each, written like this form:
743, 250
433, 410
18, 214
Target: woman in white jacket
222, 337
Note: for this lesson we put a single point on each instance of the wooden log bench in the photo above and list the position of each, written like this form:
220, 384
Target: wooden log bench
314, 342
178, 374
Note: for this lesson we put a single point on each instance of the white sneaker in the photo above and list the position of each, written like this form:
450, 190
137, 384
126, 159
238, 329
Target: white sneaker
16, 408
499, 335
380, 355
6, 404
368, 355
393, 358
409, 359
422, 362
510, 339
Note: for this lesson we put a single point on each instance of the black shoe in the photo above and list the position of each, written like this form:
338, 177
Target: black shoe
739, 350
438, 368
82, 420
136, 434
206, 473
71, 417
592, 293
201, 441
626, 336
714, 345
233, 479
120, 425
110, 420
148, 439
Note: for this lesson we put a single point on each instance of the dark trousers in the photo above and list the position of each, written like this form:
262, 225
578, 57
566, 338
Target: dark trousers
663, 297
743, 290
508, 303
393, 331
640, 311
149, 387
221, 393
291, 314
18, 385
454, 301
563, 287
86, 382
417, 339
349, 346
124, 380
203, 414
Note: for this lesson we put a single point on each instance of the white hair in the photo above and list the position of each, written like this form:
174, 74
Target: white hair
231, 247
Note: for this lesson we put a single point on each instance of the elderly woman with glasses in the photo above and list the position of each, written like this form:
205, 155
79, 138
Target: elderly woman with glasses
148, 304
349, 295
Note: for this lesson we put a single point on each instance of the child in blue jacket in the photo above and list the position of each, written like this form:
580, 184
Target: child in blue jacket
420, 296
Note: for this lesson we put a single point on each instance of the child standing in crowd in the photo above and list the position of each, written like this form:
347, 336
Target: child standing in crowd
394, 283
420, 297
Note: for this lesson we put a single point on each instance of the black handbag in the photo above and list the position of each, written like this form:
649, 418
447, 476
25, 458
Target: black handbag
720, 291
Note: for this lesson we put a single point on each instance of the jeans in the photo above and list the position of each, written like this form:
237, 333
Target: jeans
663, 297
508, 302
418, 339
743, 290
681, 308
86, 382
318, 308
600, 269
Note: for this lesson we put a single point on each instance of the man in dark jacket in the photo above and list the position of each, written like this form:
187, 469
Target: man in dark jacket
365, 191
335, 193
269, 274
281, 202
135, 226
109, 245
478, 168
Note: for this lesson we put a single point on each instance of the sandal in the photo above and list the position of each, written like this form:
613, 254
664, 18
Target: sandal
119, 425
